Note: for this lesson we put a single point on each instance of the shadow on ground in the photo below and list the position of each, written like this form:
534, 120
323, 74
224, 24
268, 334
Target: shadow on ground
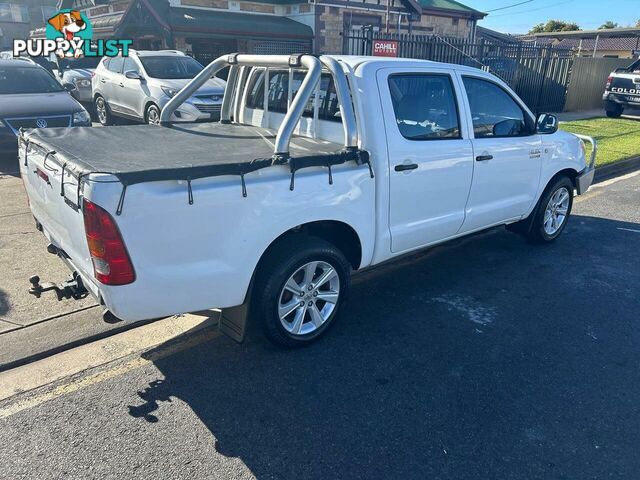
4, 303
486, 358
9, 164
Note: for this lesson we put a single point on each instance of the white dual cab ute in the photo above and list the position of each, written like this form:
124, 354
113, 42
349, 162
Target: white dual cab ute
319, 166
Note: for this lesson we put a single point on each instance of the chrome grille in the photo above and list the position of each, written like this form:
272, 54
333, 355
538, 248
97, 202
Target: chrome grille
17, 123
213, 109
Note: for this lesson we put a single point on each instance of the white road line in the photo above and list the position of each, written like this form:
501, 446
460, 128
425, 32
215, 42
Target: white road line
629, 230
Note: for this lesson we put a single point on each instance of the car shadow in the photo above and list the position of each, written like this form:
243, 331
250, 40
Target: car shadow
483, 358
4, 303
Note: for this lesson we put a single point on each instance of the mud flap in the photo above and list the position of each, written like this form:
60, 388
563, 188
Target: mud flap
233, 322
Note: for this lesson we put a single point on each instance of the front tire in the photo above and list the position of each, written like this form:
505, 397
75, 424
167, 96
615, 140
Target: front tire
102, 111
552, 212
300, 289
152, 115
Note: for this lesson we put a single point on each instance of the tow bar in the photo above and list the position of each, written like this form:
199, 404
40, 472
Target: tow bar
72, 288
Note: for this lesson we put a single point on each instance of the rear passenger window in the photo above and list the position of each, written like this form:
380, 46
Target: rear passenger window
115, 65
495, 113
328, 105
425, 106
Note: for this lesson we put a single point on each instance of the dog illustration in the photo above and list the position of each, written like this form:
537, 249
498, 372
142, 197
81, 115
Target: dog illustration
68, 24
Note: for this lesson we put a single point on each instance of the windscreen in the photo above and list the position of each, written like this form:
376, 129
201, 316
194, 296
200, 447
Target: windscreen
79, 63
171, 68
21, 80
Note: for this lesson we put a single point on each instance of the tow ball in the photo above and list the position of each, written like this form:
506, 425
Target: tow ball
72, 288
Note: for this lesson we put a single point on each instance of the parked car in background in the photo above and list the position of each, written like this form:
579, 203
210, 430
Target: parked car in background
140, 85
267, 212
30, 97
78, 72
42, 61
622, 90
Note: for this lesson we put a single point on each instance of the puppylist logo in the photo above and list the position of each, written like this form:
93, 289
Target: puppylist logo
69, 34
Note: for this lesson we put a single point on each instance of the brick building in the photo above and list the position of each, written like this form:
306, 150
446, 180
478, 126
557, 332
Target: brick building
208, 28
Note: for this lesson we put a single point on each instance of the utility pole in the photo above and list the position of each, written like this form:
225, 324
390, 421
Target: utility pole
388, 14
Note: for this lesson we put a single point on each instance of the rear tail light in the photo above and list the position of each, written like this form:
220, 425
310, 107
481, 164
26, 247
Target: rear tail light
111, 262
609, 80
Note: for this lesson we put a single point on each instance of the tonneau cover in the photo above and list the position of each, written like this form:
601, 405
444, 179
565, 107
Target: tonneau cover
147, 153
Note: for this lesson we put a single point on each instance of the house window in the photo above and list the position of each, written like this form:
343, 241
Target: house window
11, 12
48, 12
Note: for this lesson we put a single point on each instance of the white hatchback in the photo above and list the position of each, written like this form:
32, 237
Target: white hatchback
140, 85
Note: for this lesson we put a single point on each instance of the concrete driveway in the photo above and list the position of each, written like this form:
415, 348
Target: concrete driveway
487, 358
30, 326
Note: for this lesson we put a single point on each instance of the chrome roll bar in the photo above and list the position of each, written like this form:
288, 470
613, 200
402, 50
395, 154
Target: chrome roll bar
344, 99
312, 64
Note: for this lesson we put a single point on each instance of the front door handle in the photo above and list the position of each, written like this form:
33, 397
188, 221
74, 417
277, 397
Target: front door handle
405, 166
122, 85
484, 158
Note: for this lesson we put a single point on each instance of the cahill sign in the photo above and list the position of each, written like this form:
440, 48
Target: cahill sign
69, 34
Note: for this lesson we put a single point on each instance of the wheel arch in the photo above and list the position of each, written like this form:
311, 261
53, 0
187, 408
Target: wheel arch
147, 104
336, 232
572, 173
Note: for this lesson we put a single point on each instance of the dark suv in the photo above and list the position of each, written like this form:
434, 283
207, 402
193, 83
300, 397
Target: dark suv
30, 97
622, 90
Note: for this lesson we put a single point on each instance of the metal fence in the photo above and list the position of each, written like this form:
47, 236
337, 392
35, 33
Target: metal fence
539, 75
588, 80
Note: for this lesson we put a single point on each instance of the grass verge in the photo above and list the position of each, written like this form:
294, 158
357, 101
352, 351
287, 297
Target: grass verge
618, 138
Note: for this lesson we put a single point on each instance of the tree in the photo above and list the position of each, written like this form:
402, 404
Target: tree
555, 26
608, 25
638, 23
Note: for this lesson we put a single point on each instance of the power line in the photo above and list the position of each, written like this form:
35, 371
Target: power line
508, 6
532, 9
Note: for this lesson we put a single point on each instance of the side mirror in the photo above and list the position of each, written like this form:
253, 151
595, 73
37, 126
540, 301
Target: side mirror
547, 124
133, 75
69, 87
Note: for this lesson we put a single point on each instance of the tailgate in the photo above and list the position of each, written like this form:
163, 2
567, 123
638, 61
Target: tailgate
62, 222
627, 84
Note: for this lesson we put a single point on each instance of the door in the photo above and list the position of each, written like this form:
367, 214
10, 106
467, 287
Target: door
507, 153
130, 90
430, 161
110, 81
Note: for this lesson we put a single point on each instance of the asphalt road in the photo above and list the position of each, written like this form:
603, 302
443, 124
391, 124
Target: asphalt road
487, 358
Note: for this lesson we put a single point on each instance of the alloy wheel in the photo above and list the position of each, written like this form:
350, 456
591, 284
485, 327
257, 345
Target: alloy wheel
555, 215
153, 117
101, 109
308, 298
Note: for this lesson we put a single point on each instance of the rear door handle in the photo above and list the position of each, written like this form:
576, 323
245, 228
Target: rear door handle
122, 85
405, 166
102, 80
483, 158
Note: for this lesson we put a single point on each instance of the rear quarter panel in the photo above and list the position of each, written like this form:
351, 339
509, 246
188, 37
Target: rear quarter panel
202, 256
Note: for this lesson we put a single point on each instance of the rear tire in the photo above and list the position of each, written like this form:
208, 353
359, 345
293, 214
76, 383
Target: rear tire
551, 215
614, 110
102, 111
300, 289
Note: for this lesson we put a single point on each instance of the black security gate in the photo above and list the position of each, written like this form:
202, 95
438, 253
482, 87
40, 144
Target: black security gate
539, 75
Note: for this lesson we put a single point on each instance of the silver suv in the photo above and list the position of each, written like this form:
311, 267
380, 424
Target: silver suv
139, 86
